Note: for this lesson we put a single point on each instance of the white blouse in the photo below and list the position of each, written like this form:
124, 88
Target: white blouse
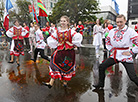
97, 29
32, 32
124, 39
10, 32
40, 40
76, 39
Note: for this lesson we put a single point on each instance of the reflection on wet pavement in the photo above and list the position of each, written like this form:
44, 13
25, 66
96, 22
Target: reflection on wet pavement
24, 83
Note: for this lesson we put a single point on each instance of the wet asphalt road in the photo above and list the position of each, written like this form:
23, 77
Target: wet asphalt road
23, 83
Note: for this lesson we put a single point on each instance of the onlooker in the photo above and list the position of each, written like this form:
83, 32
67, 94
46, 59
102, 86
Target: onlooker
89, 30
74, 27
26, 37
80, 28
52, 28
97, 37
32, 37
46, 31
105, 31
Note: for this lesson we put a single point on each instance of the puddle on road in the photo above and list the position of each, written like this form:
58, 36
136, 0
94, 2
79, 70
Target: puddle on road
23, 83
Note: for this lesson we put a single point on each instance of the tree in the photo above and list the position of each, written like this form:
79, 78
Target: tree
75, 9
102, 20
23, 14
1, 13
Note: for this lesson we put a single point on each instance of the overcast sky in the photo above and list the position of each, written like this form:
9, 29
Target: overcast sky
123, 5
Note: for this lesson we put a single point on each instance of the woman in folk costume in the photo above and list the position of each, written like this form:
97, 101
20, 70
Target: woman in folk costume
97, 37
105, 32
32, 37
16, 33
62, 64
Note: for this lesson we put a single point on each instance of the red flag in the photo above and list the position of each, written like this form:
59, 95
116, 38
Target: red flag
35, 14
6, 22
42, 9
30, 8
6, 14
42, 13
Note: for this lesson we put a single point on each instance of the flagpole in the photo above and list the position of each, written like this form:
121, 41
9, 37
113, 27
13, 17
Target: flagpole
32, 9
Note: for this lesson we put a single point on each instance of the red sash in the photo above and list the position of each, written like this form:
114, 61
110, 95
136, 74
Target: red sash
115, 51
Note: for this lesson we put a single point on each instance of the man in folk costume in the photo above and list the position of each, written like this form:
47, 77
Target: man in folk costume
118, 42
17, 33
40, 44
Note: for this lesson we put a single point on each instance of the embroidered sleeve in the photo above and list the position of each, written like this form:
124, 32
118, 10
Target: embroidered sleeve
108, 43
134, 40
76, 38
41, 37
24, 32
132, 53
94, 30
10, 32
53, 37
52, 40
73, 33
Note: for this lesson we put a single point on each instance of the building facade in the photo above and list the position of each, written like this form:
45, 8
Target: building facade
132, 13
107, 12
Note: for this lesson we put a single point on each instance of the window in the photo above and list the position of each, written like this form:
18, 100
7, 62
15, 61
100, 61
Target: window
51, 5
134, 23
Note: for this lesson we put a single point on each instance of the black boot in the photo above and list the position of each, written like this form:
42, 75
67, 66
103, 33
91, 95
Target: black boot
101, 77
99, 85
48, 59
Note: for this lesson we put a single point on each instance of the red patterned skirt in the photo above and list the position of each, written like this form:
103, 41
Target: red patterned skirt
18, 48
62, 65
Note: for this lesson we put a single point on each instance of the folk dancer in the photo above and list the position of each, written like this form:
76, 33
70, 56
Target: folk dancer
62, 64
40, 44
118, 42
17, 34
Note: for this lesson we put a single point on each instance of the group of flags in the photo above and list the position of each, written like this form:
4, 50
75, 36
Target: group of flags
42, 12
8, 6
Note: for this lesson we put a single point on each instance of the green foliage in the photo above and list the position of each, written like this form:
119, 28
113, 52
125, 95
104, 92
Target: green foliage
75, 9
102, 20
23, 14
1, 12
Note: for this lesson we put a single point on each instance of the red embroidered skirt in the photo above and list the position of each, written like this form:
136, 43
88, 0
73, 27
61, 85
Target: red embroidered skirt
62, 65
18, 48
